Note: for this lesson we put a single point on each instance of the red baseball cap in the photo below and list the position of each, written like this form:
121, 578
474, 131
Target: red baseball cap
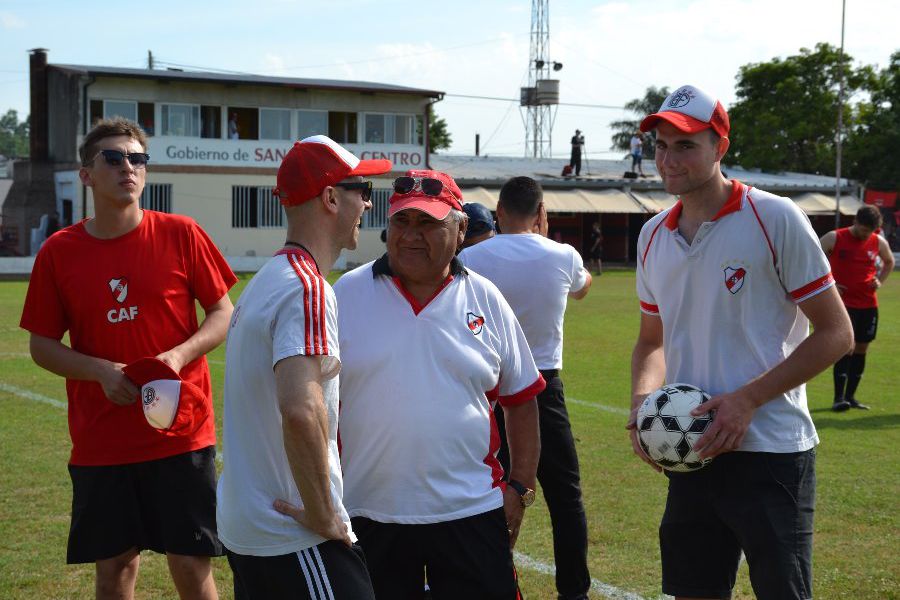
437, 206
170, 403
317, 162
690, 110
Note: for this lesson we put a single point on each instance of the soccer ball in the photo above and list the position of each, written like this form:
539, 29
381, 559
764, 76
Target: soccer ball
666, 429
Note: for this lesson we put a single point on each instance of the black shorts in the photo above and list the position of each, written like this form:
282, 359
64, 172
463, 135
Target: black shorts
865, 323
465, 558
329, 571
165, 505
758, 502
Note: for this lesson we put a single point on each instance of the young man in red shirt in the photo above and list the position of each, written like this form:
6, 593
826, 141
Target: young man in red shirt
124, 285
854, 252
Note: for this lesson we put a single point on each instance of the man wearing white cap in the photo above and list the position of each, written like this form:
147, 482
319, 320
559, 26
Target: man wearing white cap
280, 510
729, 280
125, 284
429, 350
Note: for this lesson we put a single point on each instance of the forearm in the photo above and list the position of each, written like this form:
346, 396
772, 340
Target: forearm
305, 431
815, 354
62, 360
648, 371
208, 336
524, 438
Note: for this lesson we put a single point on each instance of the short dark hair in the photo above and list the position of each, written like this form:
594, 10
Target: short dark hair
869, 216
521, 196
105, 128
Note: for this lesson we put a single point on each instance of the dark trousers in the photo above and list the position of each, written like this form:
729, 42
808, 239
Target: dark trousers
575, 161
561, 484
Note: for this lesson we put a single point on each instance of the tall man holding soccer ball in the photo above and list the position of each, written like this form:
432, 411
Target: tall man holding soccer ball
729, 280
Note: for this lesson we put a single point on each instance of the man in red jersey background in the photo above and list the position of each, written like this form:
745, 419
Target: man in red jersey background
124, 285
854, 252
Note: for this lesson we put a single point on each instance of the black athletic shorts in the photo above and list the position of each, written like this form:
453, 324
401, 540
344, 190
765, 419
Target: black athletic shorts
329, 571
164, 505
463, 559
758, 502
865, 323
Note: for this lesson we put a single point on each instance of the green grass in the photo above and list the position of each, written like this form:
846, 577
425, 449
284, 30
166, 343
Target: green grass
858, 482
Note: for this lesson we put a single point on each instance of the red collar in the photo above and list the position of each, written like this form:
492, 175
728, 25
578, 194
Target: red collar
733, 204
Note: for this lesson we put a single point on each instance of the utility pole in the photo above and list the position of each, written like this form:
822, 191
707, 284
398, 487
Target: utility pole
840, 123
150, 59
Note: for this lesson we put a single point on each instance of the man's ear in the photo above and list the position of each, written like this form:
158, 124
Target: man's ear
85, 176
541, 222
722, 148
329, 200
461, 234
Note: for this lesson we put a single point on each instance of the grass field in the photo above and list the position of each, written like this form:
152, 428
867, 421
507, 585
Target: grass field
856, 532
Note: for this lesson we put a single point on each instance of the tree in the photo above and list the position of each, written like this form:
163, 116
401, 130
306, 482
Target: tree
873, 140
650, 103
438, 136
14, 141
785, 117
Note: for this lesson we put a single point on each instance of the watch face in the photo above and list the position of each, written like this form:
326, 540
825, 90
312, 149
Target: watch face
528, 498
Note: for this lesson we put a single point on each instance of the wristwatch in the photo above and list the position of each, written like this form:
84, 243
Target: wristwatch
526, 495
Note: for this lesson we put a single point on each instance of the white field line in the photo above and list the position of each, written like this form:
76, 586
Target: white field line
522, 560
611, 409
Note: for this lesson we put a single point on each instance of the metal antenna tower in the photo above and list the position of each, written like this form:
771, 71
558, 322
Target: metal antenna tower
539, 101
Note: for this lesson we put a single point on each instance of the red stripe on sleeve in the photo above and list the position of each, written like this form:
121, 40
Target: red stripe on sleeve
812, 286
525, 395
650, 308
313, 311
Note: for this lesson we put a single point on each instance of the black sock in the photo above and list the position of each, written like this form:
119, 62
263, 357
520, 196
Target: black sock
857, 366
841, 368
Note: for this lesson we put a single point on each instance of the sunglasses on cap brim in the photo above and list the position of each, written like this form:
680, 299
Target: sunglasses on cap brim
427, 185
115, 158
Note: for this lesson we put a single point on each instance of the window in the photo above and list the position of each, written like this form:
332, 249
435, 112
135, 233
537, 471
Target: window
120, 108
342, 127
211, 122
376, 217
253, 206
274, 124
158, 197
146, 117
181, 120
390, 129
243, 123
311, 122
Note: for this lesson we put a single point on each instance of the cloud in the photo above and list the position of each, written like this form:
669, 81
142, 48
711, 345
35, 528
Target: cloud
11, 21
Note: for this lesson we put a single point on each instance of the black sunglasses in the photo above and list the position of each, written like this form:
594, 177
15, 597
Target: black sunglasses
429, 185
114, 158
365, 188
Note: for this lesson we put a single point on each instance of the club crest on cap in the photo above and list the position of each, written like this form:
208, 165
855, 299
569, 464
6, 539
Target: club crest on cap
681, 98
149, 396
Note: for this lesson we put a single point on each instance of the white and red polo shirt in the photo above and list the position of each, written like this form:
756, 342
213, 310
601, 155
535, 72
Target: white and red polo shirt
728, 303
287, 309
418, 436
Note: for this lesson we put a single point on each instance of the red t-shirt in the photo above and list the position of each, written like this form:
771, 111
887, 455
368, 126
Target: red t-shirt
853, 266
124, 299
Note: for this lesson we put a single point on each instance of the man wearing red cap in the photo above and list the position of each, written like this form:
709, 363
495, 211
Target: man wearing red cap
280, 509
429, 350
729, 280
125, 284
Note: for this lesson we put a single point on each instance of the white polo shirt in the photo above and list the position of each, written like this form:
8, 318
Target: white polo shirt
287, 309
535, 276
418, 437
728, 303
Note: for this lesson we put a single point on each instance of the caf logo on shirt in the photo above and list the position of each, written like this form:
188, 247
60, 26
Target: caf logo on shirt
734, 278
119, 288
475, 322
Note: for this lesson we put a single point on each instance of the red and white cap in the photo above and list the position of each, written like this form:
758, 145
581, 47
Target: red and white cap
317, 162
690, 110
169, 402
437, 206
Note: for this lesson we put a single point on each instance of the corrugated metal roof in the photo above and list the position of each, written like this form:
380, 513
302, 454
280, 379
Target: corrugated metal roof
249, 79
566, 201
820, 204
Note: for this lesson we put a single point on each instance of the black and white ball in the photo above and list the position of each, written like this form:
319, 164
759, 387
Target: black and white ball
667, 431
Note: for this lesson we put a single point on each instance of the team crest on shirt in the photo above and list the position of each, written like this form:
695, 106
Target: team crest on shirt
119, 288
475, 322
734, 278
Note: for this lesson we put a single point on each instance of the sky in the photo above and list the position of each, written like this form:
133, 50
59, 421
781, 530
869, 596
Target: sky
611, 51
